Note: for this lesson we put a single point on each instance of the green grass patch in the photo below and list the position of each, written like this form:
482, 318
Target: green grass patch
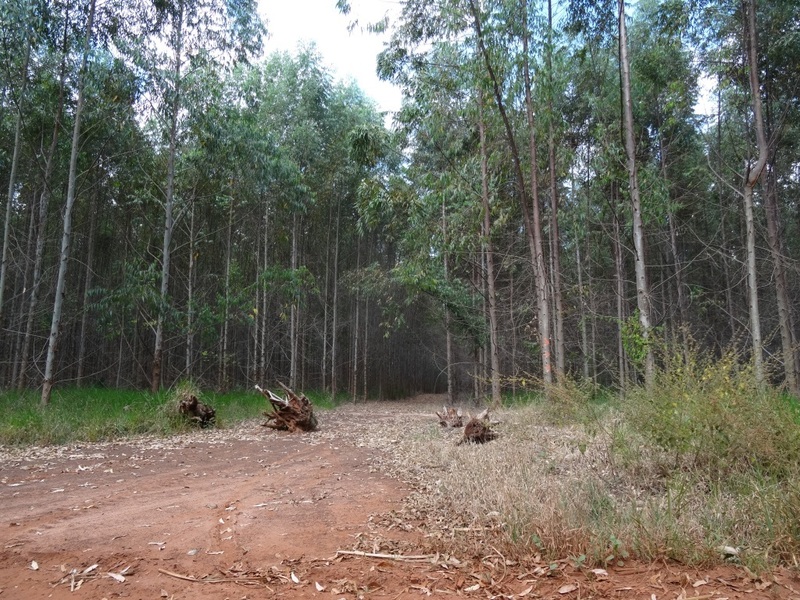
100, 414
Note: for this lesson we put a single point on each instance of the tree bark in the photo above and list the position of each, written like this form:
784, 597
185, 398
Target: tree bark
41, 226
619, 278
532, 226
189, 358
66, 238
169, 202
12, 181
448, 335
486, 232
643, 299
555, 238
87, 286
785, 317
751, 176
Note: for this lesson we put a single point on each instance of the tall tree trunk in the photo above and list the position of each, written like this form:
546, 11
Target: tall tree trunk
486, 233
447, 334
293, 314
555, 239
26, 282
677, 264
169, 202
619, 278
532, 226
325, 298
41, 226
66, 238
189, 358
356, 332
751, 176
643, 300
226, 316
264, 296
785, 317
12, 181
87, 287
335, 307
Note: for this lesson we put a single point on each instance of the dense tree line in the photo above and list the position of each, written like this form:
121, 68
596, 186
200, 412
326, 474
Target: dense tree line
618, 223
548, 203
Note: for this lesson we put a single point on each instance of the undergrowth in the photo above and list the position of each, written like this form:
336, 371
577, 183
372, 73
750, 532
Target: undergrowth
702, 468
100, 414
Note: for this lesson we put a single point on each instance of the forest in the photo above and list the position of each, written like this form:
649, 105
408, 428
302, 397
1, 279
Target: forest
575, 191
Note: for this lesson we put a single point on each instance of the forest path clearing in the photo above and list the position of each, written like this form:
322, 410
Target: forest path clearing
261, 514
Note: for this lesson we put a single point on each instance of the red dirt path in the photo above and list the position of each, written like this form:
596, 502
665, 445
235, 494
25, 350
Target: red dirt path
252, 513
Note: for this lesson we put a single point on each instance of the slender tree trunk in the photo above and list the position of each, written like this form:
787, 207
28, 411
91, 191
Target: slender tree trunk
169, 203
555, 239
293, 314
537, 250
619, 278
41, 227
325, 299
26, 281
486, 233
224, 381
264, 296
12, 181
751, 176
532, 226
643, 299
447, 334
356, 332
189, 359
785, 317
677, 265
66, 238
335, 307
87, 287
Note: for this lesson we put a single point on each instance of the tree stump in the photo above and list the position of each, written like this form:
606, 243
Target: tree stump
293, 413
478, 430
450, 417
197, 412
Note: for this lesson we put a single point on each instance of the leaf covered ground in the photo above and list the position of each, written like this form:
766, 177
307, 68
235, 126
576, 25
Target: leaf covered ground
350, 511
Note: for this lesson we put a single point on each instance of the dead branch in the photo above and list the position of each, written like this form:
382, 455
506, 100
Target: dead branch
411, 557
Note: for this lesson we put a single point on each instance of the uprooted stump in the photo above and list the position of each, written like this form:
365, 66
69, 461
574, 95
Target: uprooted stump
197, 412
293, 413
478, 430
450, 417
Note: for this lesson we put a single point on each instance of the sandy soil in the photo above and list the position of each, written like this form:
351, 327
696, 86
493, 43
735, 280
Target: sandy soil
251, 513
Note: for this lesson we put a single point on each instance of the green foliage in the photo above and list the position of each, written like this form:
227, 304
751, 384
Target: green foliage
711, 415
98, 414
634, 342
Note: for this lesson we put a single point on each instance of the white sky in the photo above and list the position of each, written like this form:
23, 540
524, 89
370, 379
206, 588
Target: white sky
350, 55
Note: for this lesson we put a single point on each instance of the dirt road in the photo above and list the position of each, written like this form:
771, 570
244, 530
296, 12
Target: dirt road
253, 513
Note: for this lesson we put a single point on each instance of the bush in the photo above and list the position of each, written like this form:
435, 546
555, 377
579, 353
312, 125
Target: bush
713, 416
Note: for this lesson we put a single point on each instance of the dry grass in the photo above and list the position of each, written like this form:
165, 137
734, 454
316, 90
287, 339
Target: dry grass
596, 492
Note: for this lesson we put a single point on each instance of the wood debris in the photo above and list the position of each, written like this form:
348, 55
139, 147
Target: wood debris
293, 413
197, 412
478, 430
450, 417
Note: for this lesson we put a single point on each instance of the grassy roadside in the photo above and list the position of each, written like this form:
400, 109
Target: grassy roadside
702, 469
97, 414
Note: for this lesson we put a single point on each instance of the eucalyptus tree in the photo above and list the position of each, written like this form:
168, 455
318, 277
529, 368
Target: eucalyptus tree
66, 237
187, 34
672, 162
19, 22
